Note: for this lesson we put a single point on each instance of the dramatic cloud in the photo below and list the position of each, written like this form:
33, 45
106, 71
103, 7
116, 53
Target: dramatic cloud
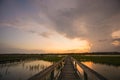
116, 39
97, 22
116, 34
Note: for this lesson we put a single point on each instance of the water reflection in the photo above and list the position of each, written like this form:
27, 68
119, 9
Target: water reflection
109, 71
22, 70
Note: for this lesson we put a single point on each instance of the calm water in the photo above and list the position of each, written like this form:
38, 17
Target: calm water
22, 70
108, 71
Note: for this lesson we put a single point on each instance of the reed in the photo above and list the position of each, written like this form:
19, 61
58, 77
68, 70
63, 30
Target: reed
110, 60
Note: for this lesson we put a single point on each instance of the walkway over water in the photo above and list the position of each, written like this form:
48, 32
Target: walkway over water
68, 69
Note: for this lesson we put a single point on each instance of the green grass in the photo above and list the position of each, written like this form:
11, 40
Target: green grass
110, 60
52, 58
4, 58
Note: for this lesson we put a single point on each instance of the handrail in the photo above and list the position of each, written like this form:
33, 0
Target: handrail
50, 70
49, 73
88, 73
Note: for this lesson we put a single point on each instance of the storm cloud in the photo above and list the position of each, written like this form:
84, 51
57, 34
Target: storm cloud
92, 20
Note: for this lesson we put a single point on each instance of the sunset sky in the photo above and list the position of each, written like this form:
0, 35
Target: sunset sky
59, 26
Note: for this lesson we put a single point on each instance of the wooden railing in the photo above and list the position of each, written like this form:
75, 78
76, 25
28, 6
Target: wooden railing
53, 72
85, 72
50, 73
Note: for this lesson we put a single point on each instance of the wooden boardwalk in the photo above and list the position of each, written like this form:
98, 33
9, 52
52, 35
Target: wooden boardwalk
68, 69
68, 72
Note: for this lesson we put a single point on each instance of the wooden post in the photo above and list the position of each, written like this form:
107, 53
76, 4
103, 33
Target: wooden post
85, 76
75, 66
52, 75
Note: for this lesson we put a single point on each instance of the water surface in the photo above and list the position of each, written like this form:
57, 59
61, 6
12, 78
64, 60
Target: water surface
108, 71
22, 70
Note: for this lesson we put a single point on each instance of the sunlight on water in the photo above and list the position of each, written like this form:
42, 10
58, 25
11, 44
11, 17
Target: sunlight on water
108, 71
22, 70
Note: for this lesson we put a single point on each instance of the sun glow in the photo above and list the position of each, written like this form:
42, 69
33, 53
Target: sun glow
57, 43
61, 44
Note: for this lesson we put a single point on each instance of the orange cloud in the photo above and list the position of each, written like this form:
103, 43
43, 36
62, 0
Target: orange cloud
116, 43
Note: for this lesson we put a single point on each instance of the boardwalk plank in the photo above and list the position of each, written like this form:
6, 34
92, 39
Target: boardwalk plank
68, 72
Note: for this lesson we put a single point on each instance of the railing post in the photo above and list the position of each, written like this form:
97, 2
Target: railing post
75, 66
52, 75
85, 76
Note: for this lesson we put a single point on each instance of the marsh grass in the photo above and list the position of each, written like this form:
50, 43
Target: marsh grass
109, 60
4, 58
52, 58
